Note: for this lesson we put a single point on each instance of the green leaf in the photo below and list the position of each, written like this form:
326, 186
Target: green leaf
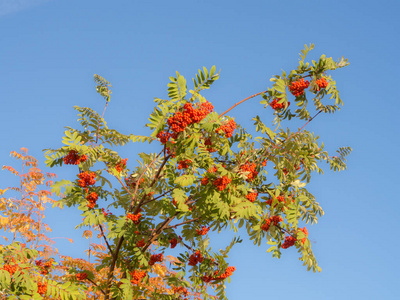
185, 180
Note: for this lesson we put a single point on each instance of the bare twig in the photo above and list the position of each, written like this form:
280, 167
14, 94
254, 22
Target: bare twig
240, 102
189, 221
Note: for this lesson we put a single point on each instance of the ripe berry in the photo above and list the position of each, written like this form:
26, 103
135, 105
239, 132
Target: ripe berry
297, 87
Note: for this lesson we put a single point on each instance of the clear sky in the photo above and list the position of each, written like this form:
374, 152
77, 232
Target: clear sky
51, 49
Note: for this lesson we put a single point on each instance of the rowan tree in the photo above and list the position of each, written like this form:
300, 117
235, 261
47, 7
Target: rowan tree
206, 174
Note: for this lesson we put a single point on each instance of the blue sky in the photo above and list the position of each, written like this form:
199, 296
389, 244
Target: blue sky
51, 49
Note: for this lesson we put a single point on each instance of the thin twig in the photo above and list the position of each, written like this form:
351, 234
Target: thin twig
292, 135
112, 267
94, 283
140, 177
240, 102
158, 232
158, 197
189, 221
98, 127
105, 239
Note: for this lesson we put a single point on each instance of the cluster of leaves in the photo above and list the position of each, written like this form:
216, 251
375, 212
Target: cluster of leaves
28, 270
208, 175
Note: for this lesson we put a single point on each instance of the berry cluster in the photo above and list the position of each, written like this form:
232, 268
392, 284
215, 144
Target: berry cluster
321, 83
296, 167
11, 268
252, 196
221, 183
278, 106
121, 165
203, 230
273, 219
281, 199
227, 129
212, 170
204, 181
180, 290
190, 115
132, 182
135, 218
289, 242
86, 179
184, 164
228, 272
163, 136
73, 158
105, 213
195, 258
44, 266
208, 143
42, 288
297, 87
81, 276
140, 243
171, 152
251, 168
173, 243
304, 230
155, 258
92, 198
137, 276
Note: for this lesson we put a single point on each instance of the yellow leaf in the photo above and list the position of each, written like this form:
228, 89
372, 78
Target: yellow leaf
87, 234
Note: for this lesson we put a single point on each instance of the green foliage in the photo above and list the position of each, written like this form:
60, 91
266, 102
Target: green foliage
20, 277
208, 173
102, 87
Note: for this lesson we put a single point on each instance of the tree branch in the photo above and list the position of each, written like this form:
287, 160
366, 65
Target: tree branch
240, 102
189, 221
